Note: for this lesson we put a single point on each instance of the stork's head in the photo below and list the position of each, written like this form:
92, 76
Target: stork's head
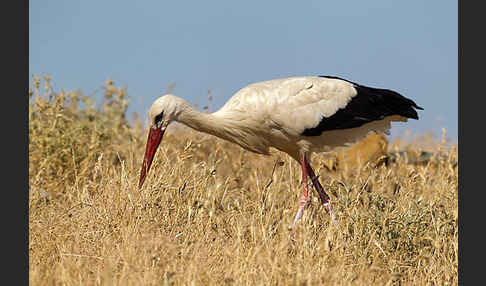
163, 111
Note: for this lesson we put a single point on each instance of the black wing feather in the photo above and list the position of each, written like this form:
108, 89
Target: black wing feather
368, 105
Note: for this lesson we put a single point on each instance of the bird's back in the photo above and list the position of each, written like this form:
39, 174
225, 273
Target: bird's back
321, 111
268, 92
294, 103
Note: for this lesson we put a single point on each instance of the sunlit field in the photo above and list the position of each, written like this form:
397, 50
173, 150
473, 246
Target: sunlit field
211, 213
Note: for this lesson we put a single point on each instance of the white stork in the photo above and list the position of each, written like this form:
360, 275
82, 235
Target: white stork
297, 115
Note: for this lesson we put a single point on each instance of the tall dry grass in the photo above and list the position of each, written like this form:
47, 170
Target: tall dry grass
211, 213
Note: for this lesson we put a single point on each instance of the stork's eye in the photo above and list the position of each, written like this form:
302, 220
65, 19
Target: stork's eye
158, 118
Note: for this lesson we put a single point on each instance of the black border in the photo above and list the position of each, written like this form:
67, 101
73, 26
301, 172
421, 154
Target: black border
471, 112
15, 210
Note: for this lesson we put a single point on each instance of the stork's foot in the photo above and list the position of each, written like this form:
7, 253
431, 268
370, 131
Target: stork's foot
325, 199
303, 203
298, 216
330, 211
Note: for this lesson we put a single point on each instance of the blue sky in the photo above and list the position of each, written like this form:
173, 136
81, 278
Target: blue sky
407, 46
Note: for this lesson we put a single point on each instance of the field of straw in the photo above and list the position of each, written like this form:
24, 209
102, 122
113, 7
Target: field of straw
211, 213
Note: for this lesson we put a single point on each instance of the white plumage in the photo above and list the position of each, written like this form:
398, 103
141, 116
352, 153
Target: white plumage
297, 115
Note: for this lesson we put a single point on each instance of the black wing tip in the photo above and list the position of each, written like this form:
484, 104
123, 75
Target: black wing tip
413, 115
409, 110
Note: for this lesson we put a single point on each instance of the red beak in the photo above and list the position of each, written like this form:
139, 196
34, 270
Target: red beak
153, 142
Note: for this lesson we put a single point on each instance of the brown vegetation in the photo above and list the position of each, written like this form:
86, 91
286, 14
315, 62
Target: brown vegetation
211, 213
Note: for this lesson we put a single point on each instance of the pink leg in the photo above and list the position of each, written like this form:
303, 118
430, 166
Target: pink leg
304, 200
325, 200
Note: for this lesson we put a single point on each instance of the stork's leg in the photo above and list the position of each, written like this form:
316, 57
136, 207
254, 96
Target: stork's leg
304, 200
325, 199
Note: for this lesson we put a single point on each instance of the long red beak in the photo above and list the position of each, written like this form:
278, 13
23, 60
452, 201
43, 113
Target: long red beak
153, 142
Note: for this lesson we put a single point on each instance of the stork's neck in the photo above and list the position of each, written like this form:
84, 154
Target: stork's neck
230, 126
201, 121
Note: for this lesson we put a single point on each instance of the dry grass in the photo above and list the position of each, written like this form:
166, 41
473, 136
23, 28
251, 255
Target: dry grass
211, 213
